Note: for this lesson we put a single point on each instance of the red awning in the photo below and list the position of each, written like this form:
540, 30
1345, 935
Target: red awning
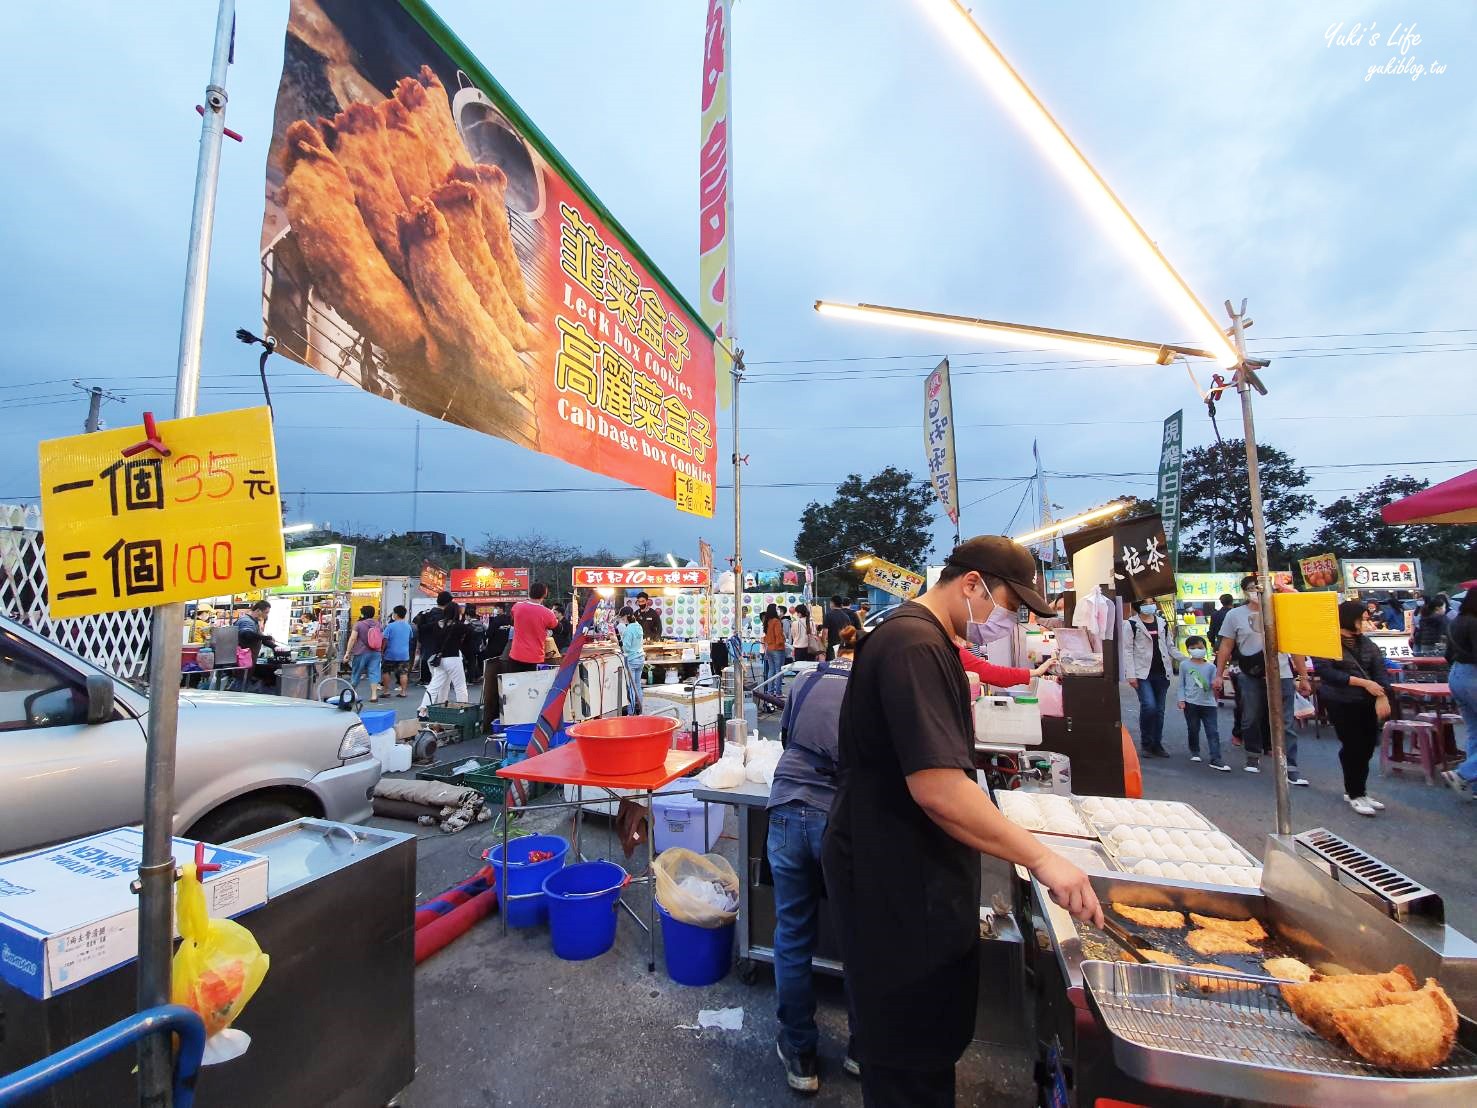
1453, 501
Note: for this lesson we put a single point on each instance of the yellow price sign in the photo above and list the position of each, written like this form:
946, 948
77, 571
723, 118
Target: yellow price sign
200, 518
694, 496
884, 575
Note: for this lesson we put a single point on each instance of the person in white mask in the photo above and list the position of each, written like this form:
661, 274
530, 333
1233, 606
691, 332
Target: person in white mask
1149, 659
901, 850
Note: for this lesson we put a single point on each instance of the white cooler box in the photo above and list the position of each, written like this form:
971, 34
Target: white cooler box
696, 709
678, 820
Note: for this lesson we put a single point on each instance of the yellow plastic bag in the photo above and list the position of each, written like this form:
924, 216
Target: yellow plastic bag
218, 966
700, 889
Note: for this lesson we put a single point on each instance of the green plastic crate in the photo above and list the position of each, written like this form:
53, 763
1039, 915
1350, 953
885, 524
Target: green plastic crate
484, 779
467, 718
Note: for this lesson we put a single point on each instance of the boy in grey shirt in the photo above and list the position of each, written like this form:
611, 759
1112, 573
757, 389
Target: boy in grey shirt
1197, 701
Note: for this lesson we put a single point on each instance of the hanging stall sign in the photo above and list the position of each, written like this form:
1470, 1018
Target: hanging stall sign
641, 577
433, 579
1321, 571
1140, 559
1207, 586
1171, 464
715, 202
694, 496
195, 513
882, 574
1383, 573
424, 241
327, 568
486, 583
938, 439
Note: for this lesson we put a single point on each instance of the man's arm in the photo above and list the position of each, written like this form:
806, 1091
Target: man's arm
1222, 659
960, 807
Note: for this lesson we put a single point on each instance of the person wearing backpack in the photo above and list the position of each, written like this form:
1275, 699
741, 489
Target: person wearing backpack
365, 652
799, 806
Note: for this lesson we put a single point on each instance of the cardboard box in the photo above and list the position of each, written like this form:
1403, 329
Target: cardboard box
68, 914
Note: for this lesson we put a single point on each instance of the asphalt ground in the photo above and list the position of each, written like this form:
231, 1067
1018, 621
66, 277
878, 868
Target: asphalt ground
500, 1020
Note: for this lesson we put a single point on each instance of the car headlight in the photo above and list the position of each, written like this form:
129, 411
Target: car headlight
356, 742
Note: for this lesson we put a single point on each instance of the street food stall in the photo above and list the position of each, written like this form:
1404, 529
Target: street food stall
311, 614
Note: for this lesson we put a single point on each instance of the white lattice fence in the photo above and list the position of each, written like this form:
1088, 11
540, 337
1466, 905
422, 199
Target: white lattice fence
117, 641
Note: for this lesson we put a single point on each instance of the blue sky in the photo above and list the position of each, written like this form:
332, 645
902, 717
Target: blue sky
869, 166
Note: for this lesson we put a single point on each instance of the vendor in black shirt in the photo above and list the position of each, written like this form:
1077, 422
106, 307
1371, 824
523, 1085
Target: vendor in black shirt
901, 854
837, 617
648, 618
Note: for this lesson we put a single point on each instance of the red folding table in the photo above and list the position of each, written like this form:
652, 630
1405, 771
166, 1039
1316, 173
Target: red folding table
564, 766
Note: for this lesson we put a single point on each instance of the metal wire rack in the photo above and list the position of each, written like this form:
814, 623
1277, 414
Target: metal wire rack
1163, 1008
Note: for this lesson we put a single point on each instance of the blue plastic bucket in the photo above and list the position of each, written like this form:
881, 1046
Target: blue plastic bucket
376, 720
582, 908
520, 883
695, 955
518, 736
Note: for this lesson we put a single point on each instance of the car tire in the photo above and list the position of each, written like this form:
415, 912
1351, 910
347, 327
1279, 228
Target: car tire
243, 817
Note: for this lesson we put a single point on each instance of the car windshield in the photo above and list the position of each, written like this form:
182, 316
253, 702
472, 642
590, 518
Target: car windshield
139, 685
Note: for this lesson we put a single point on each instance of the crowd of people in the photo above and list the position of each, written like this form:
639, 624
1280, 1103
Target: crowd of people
1354, 691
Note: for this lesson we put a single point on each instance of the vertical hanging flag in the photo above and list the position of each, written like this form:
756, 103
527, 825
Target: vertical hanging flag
714, 200
1171, 461
938, 439
1046, 551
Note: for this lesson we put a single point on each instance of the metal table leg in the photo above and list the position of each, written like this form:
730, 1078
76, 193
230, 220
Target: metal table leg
579, 811
651, 876
502, 879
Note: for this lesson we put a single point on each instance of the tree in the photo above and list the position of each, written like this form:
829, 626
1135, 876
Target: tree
889, 515
646, 554
1215, 499
1353, 528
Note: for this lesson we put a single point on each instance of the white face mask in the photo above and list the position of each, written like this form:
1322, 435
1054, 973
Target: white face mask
998, 624
1146, 610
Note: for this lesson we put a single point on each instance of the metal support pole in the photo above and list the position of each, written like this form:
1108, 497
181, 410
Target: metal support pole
738, 547
1271, 661
156, 873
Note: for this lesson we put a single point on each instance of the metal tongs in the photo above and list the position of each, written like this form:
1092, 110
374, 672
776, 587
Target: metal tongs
1118, 934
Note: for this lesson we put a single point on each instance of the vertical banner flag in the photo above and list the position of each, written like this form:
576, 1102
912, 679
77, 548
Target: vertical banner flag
714, 200
1046, 551
1171, 461
424, 241
938, 439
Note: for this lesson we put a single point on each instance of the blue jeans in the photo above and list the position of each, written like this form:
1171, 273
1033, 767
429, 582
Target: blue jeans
774, 661
1251, 692
1151, 692
1463, 681
366, 665
1207, 716
795, 832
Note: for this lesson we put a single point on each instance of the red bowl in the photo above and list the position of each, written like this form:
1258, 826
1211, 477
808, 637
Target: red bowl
624, 745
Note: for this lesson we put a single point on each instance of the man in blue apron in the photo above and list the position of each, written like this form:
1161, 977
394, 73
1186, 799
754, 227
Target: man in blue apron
902, 846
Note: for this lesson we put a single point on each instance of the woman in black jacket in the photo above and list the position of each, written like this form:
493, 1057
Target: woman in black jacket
1355, 690
1428, 640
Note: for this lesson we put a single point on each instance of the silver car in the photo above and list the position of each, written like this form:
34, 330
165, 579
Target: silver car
72, 741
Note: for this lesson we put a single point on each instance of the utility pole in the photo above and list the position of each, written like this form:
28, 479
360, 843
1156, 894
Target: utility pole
463, 544
1246, 380
415, 496
738, 546
95, 398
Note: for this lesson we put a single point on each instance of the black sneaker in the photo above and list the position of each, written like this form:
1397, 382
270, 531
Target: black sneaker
800, 1071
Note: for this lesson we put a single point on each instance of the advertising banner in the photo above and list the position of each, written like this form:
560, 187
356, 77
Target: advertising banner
882, 574
1171, 464
1383, 573
486, 583
1141, 560
715, 202
318, 569
130, 525
433, 578
424, 241
938, 439
1321, 571
641, 577
1208, 586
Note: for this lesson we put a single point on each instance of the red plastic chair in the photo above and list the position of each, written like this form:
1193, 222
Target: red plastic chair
1445, 724
1408, 742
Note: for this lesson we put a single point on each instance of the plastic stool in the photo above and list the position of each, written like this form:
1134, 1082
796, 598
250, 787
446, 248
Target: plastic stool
1422, 747
1445, 724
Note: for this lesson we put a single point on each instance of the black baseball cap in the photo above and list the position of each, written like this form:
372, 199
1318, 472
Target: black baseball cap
1004, 559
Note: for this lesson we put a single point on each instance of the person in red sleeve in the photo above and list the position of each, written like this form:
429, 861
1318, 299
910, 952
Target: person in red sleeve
1002, 677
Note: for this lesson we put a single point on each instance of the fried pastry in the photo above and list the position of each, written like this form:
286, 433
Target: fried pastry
492, 187
1217, 984
1149, 917
462, 207
1159, 958
1217, 942
453, 310
347, 268
409, 162
1316, 1002
1288, 969
1249, 930
424, 98
357, 138
1409, 1032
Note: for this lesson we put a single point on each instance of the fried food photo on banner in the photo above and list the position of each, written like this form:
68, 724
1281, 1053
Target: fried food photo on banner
409, 242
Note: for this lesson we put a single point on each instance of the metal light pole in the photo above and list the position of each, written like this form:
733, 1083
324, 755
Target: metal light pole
156, 872
738, 545
1246, 380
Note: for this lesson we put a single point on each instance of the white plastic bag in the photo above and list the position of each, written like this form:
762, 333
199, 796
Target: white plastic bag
725, 773
1302, 707
677, 868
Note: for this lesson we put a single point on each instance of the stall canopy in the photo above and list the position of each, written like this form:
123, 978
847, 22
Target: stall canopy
1453, 501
